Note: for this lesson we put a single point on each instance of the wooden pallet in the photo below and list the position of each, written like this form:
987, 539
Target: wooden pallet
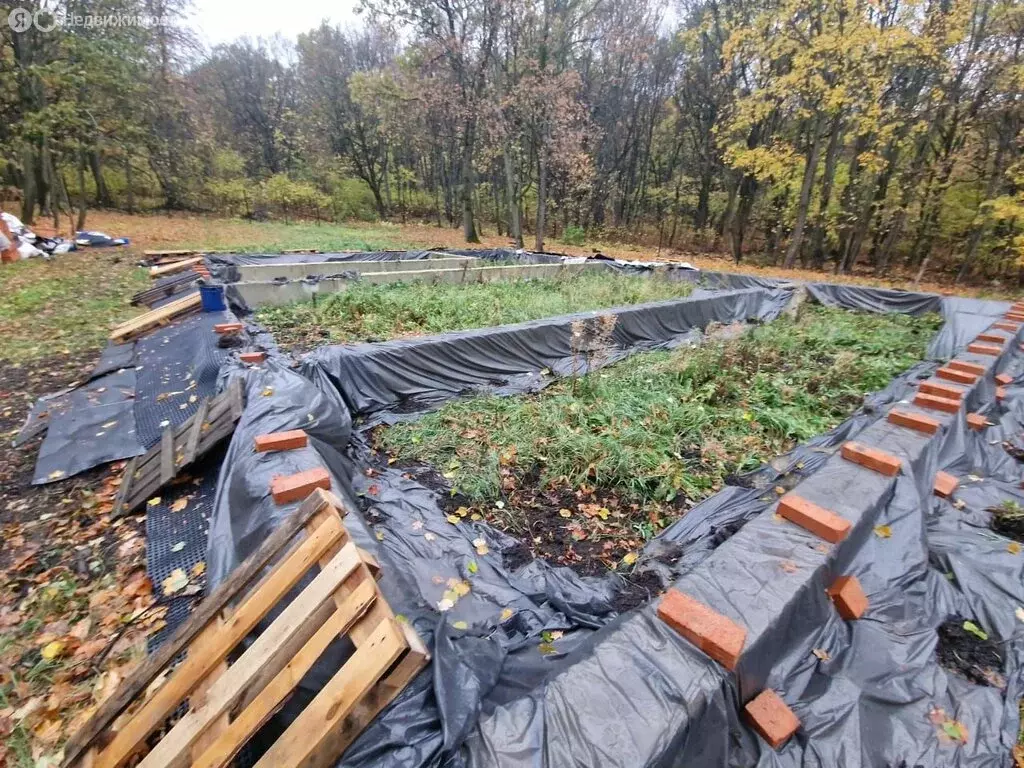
178, 447
149, 320
228, 703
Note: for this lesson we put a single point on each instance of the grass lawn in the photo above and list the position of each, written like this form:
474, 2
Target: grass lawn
589, 468
368, 312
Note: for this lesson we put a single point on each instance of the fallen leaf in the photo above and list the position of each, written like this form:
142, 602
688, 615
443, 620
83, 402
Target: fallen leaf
975, 630
822, 654
565, 512
52, 650
472, 567
453, 519
481, 546
460, 625
267, 391
883, 531
445, 604
506, 614
154, 501
1013, 547
629, 558
175, 582
179, 504
178, 547
199, 569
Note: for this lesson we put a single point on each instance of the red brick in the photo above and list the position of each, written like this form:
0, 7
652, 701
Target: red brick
936, 403
995, 338
1004, 325
977, 422
945, 484
947, 391
298, 486
962, 365
984, 349
1018, 316
281, 441
253, 357
960, 377
822, 522
1004, 379
1000, 394
768, 714
849, 598
227, 327
718, 636
872, 458
917, 421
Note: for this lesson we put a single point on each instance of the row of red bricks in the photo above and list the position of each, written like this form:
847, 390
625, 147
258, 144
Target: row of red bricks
723, 639
288, 488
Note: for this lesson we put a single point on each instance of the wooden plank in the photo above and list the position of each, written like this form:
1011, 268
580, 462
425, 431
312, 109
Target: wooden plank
127, 481
167, 455
266, 653
202, 693
154, 317
177, 266
192, 442
273, 695
169, 254
313, 740
209, 608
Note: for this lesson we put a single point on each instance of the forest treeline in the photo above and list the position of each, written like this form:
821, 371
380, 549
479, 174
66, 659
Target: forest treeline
835, 134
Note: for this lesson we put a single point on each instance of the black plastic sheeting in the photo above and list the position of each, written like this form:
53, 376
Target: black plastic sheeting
403, 375
544, 673
134, 392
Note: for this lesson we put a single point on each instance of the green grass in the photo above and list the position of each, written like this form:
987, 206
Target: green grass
368, 312
664, 424
67, 304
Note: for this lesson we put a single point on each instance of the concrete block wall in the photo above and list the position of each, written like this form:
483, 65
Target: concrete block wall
257, 294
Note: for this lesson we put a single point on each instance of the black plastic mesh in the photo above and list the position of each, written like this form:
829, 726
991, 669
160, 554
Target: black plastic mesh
177, 368
177, 540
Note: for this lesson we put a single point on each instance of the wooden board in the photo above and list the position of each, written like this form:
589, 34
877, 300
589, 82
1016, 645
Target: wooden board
177, 266
227, 703
144, 322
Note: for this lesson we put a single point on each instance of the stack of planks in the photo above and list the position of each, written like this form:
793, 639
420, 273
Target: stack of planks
226, 704
155, 317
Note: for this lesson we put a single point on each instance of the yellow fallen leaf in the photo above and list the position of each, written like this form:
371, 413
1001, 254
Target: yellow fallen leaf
199, 568
268, 391
629, 558
506, 614
180, 504
453, 519
154, 501
565, 512
460, 625
52, 650
1013, 547
883, 531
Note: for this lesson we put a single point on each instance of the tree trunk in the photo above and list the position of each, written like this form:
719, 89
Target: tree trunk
747, 190
468, 227
103, 199
129, 183
820, 228
542, 195
515, 226
796, 239
82, 206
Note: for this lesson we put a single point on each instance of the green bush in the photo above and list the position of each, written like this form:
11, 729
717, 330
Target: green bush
574, 236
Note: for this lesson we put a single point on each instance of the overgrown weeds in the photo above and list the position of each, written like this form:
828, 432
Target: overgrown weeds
367, 312
651, 436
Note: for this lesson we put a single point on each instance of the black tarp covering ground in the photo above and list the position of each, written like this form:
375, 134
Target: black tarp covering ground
135, 390
533, 667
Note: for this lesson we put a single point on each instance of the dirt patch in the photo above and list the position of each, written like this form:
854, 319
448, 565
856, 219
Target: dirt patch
975, 658
1008, 520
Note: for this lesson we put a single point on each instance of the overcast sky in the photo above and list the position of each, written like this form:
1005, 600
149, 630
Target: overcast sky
221, 21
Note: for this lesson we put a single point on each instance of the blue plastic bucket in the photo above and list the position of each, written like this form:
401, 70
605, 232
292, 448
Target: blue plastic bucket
212, 297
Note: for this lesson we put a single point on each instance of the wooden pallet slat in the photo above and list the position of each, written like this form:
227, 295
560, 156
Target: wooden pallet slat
153, 318
227, 703
175, 266
179, 447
